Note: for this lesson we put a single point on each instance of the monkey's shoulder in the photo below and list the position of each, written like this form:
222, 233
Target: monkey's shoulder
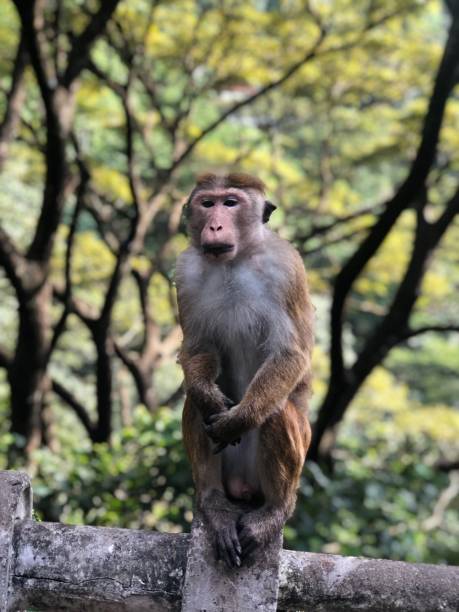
282, 260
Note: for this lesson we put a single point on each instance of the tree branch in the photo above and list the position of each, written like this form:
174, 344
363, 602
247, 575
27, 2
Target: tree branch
32, 21
79, 54
411, 333
403, 198
11, 261
60, 326
250, 99
451, 210
390, 330
14, 100
319, 230
5, 359
351, 235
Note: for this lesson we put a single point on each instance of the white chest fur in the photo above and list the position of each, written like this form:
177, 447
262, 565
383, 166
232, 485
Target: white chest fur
237, 309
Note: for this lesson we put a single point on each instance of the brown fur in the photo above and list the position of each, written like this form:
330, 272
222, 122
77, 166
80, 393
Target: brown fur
274, 404
238, 180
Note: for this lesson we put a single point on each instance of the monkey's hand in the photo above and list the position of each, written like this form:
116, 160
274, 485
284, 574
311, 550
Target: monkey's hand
224, 428
209, 399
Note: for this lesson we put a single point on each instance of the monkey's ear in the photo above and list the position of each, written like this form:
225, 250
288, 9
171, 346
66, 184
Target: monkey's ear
186, 209
268, 210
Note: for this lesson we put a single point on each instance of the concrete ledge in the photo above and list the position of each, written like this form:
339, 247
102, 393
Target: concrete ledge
211, 586
59, 567
50, 566
329, 583
15, 505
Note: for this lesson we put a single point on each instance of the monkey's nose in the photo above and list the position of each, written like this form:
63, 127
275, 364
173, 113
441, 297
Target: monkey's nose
215, 228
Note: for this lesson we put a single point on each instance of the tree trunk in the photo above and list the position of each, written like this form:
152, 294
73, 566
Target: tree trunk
104, 382
27, 374
339, 396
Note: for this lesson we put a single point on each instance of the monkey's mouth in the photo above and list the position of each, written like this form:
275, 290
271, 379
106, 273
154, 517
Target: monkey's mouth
217, 249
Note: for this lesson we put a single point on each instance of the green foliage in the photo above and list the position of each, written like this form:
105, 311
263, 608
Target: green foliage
429, 367
140, 480
377, 504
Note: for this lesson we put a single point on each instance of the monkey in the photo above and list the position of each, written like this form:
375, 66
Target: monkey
247, 322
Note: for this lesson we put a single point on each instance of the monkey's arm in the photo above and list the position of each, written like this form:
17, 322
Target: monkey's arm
290, 363
270, 387
200, 371
273, 383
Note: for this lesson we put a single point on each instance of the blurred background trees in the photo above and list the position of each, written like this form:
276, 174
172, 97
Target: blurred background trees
350, 114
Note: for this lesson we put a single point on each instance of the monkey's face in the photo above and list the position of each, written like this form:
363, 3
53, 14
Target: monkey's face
224, 222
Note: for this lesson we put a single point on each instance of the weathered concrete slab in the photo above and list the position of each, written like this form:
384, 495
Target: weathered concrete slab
15, 505
330, 583
97, 569
210, 586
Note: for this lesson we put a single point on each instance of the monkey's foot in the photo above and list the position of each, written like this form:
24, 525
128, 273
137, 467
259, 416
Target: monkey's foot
227, 544
250, 534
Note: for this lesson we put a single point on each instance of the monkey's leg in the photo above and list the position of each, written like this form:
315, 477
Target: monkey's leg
220, 514
283, 442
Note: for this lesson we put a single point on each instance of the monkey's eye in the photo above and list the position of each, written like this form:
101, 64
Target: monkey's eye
207, 203
230, 202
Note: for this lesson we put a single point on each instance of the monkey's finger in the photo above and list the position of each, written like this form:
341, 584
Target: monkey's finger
231, 550
209, 431
220, 446
235, 540
212, 419
223, 550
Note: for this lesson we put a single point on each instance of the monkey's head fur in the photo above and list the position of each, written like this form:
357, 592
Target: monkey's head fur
226, 214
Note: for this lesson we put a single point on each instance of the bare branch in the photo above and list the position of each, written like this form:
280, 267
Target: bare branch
102, 214
134, 182
116, 87
451, 210
347, 236
318, 230
175, 396
77, 407
447, 496
84, 311
11, 261
411, 333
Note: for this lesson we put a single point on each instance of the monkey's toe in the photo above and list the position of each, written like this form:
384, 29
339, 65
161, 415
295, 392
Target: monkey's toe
228, 547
